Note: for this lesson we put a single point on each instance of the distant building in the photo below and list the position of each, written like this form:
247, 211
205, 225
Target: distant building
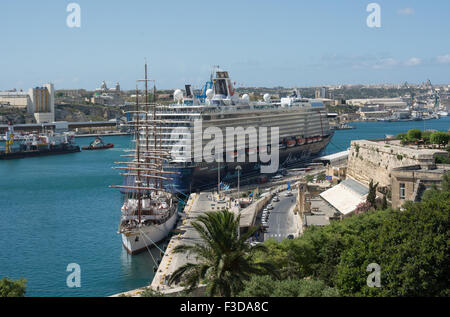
43, 101
410, 182
346, 196
385, 102
107, 96
367, 115
321, 93
405, 171
39, 101
15, 99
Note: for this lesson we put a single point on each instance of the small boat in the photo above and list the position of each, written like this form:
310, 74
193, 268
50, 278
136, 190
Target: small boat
98, 144
300, 141
291, 143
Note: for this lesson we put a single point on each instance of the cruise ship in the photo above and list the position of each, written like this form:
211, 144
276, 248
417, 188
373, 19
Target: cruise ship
303, 126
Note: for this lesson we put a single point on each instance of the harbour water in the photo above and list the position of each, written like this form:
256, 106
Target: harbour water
58, 210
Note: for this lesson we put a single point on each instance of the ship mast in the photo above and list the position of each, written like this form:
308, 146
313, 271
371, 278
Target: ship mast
146, 115
138, 179
148, 160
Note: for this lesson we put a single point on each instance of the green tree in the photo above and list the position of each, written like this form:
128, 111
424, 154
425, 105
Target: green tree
446, 182
321, 177
372, 196
148, 292
440, 159
224, 260
265, 286
440, 138
426, 136
402, 136
411, 247
10, 288
384, 204
414, 135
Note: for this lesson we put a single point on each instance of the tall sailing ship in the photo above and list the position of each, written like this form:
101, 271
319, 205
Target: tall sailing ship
149, 210
304, 131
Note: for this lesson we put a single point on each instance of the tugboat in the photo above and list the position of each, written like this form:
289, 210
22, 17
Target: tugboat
98, 144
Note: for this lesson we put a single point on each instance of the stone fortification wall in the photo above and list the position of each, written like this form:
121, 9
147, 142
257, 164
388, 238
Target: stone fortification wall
375, 160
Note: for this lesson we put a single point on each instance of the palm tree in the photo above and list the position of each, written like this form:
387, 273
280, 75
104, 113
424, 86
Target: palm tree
224, 259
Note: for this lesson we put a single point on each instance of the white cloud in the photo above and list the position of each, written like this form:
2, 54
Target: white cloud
444, 59
406, 11
385, 63
413, 61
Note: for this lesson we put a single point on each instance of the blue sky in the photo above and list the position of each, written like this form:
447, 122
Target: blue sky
260, 42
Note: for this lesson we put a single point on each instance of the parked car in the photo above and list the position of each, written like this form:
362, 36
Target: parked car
270, 206
290, 237
276, 199
288, 194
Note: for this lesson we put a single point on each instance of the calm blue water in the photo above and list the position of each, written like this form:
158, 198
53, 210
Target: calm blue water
373, 130
59, 210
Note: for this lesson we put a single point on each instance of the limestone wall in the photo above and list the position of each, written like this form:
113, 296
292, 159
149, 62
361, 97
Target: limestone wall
375, 160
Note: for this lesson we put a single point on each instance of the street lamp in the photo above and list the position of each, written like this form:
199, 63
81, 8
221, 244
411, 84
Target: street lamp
239, 168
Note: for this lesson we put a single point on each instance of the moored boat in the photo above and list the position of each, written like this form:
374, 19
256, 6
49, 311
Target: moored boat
35, 145
149, 210
98, 144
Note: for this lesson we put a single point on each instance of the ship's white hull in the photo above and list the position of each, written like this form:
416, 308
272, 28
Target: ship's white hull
140, 239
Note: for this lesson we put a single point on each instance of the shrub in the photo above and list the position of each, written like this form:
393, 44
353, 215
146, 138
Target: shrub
440, 138
10, 288
414, 135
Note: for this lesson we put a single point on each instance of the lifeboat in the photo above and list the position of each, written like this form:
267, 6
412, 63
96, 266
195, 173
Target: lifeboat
300, 141
291, 143
309, 140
